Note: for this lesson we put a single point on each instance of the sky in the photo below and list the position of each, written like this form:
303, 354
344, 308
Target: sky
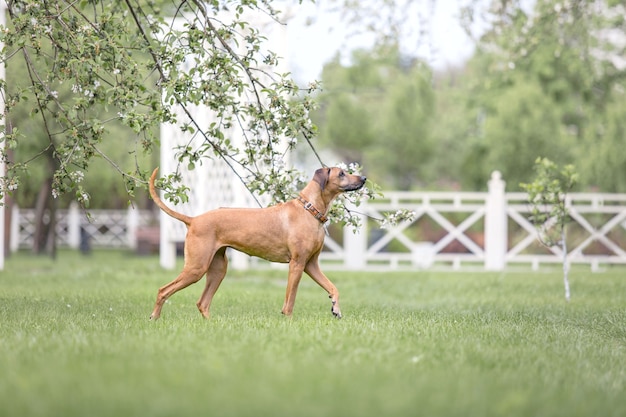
310, 46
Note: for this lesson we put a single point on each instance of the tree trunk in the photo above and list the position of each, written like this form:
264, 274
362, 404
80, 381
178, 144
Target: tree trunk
41, 227
51, 242
45, 232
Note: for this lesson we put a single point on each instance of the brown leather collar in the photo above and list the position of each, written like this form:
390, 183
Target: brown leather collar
311, 209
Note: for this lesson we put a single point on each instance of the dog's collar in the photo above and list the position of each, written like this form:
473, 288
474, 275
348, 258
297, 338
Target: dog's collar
311, 209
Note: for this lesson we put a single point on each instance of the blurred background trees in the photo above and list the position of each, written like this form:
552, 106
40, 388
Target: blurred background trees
379, 112
547, 79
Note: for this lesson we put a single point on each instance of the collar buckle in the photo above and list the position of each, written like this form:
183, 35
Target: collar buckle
308, 206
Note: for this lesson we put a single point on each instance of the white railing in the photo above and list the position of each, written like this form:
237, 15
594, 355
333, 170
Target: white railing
488, 230
597, 231
457, 230
116, 229
404, 245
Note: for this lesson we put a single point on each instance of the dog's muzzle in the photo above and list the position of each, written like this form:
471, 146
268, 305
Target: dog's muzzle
354, 187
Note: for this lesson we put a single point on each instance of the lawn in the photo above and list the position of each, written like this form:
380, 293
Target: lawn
75, 340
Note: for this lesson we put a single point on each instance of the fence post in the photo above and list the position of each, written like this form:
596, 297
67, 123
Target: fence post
15, 229
355, 243
73, 226
167, 247
496, 231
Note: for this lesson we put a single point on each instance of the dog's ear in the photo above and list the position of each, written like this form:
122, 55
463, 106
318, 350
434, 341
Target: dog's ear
321, 177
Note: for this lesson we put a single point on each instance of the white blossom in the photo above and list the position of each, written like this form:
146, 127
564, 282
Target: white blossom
10, 184
84, 197
392, 219
77, 176
278, 162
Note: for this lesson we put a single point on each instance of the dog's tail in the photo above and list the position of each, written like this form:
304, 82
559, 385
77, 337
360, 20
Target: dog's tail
157, 200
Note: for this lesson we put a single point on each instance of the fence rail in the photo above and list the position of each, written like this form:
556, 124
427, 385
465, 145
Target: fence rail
457, 230
115, 229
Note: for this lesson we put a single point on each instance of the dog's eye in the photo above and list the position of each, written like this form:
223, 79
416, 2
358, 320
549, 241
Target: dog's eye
342, 174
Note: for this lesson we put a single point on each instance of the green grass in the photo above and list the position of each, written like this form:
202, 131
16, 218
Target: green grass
75, 340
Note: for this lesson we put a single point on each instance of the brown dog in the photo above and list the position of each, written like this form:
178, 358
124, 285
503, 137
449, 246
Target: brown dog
290, 232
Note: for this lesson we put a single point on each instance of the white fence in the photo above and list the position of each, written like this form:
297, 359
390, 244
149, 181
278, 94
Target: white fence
486, 230
457, 230
116, 229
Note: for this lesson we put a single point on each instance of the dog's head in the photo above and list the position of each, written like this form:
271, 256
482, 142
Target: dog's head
338, 180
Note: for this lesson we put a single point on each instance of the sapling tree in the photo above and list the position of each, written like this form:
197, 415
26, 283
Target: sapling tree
547, 195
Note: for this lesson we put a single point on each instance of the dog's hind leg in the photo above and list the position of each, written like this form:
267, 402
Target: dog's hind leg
195, 267
214, 277
187, 277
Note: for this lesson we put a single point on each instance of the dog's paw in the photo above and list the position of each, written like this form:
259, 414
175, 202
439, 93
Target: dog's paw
335, 310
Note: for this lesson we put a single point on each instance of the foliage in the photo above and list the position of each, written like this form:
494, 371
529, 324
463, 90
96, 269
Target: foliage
78, 59
378, 111
76, 340
127, 59
405, 142
554, 76
547, 78
547, 195
120, 146
603, 161
524, 123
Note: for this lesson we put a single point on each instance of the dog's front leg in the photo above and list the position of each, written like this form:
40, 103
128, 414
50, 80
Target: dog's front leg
295, 273
314, 271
